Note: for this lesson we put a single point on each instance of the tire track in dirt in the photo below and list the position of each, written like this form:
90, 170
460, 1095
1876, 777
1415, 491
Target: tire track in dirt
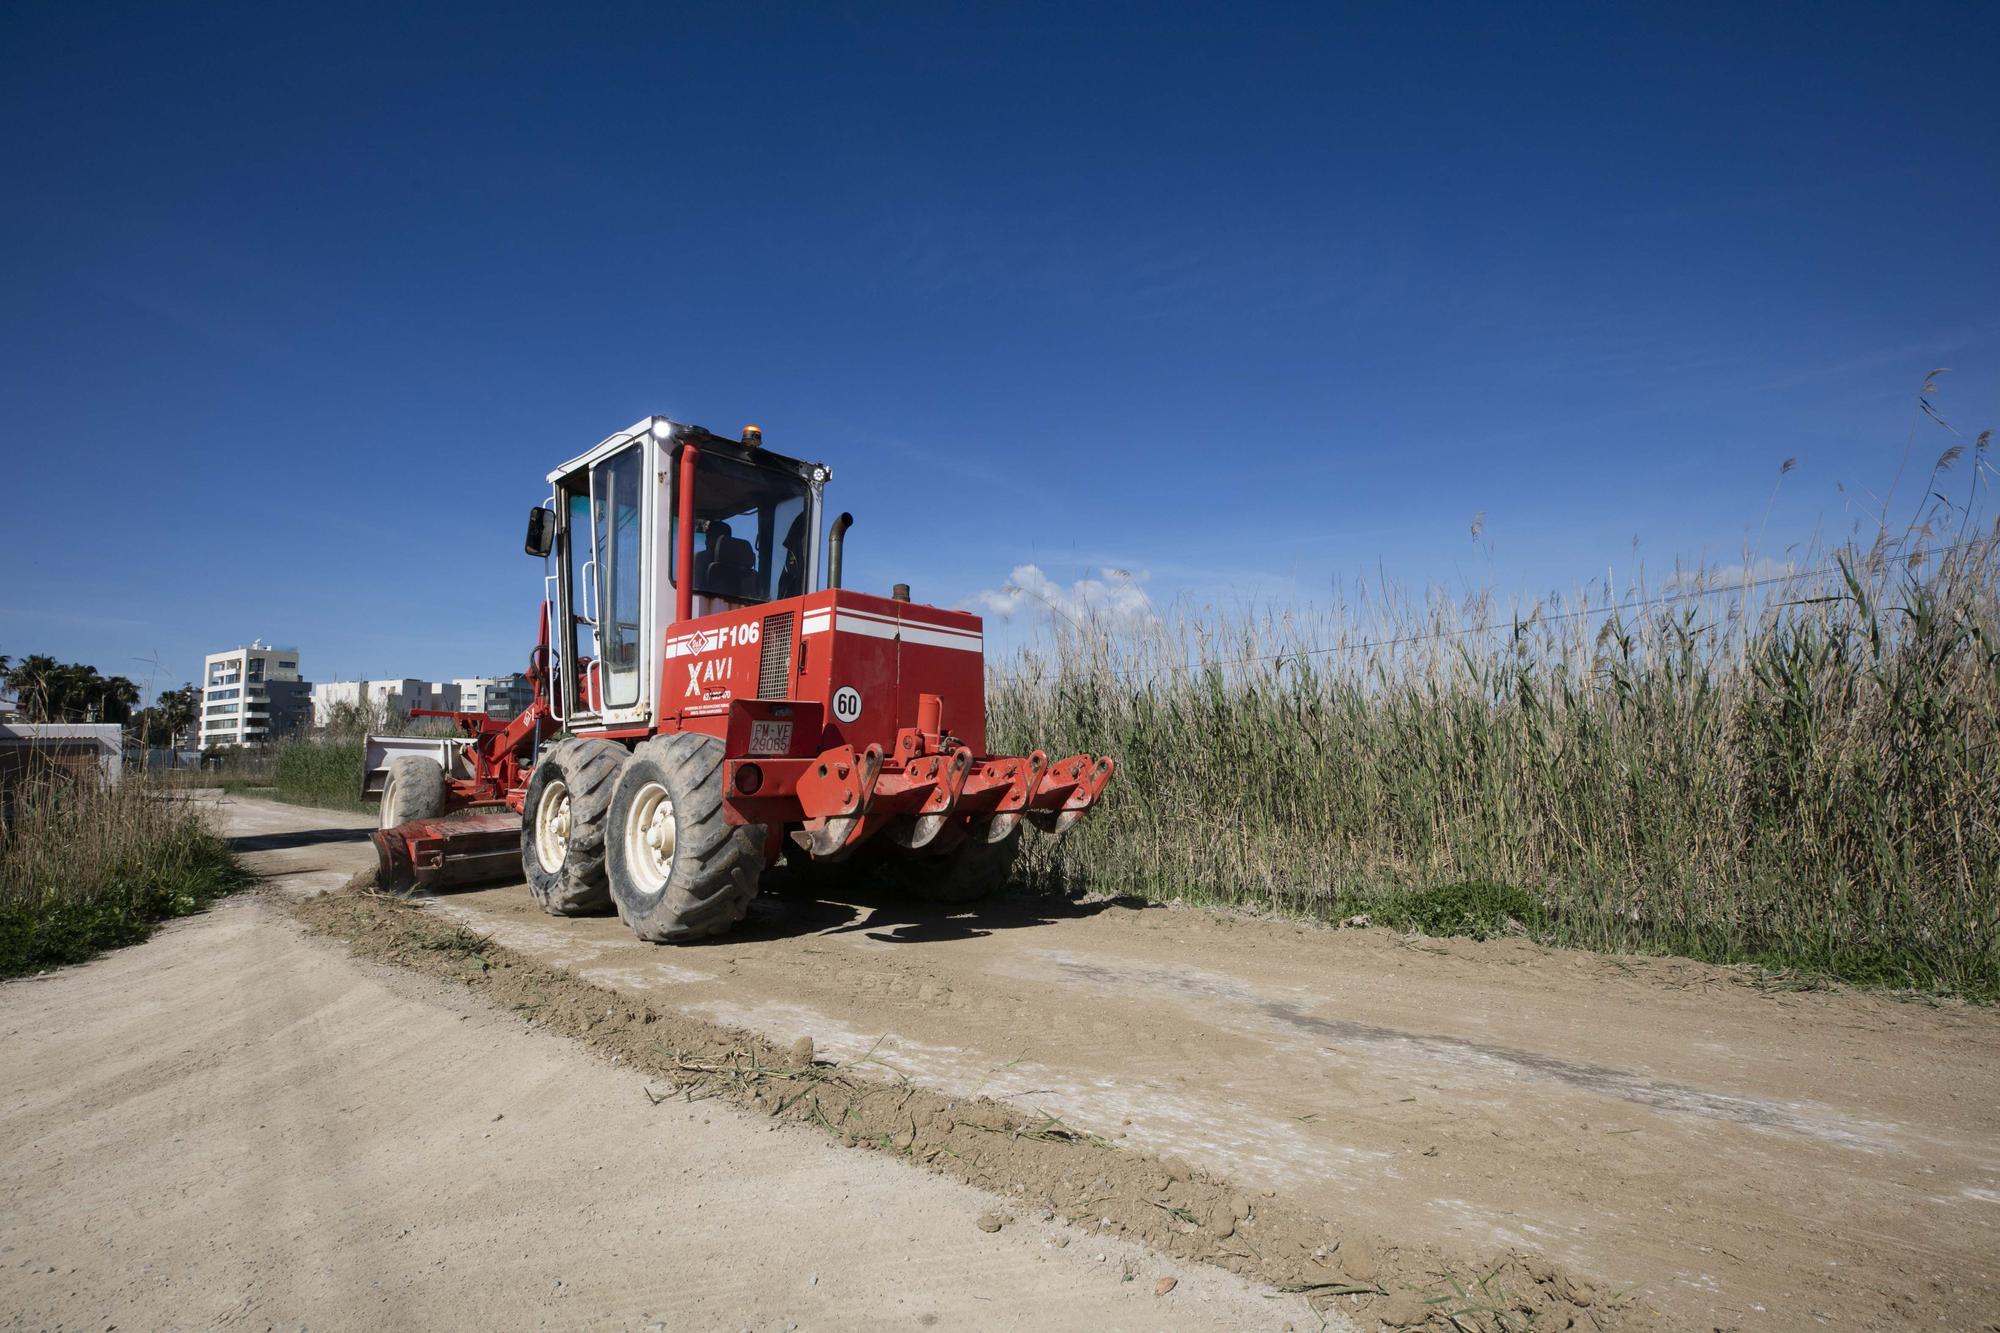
1044, 1164
236, 1124
1749, 1156
1203, 988
1424, 1141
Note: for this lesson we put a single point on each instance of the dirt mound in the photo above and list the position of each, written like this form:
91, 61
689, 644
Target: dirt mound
1043, 1164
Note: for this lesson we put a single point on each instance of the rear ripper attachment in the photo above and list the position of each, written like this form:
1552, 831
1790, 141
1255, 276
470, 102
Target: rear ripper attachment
927, 793
708, 699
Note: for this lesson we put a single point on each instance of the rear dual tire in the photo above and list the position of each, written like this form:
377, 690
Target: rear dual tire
679, 870
564, 819
968, 872
643, 831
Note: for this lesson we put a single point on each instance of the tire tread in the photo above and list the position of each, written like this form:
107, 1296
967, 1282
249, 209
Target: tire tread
716, 864
590, 767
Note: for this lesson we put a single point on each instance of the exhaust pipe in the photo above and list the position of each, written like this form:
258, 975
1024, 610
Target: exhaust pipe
833, 542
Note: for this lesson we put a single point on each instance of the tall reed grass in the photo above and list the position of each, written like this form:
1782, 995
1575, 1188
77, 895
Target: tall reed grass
1801, 771
304, 770
323, 772
85, 867
323, 766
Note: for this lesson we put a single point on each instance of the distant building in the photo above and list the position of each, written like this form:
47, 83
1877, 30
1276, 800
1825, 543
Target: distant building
388, 699
502, 696
331, 694
28, 749
252, 694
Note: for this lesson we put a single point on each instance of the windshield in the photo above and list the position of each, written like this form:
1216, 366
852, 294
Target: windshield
751, 541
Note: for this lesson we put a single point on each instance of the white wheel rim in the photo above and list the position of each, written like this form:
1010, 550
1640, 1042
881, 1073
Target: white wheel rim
650, 835
552, 826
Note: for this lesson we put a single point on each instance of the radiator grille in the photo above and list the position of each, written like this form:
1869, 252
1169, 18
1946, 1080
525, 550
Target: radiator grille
774, 669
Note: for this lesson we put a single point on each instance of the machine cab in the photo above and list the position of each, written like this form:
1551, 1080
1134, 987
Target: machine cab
615, 547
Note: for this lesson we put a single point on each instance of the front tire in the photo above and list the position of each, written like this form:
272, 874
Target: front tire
679, 870
563, 821
414, 789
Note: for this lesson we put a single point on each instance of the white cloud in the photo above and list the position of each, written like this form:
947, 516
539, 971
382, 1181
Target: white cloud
1115, 599
1722, 578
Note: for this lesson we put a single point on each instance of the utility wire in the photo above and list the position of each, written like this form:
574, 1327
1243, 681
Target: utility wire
1665, 599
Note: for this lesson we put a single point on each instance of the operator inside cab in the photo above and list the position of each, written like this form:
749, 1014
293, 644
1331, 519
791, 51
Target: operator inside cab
752, 520
726, 565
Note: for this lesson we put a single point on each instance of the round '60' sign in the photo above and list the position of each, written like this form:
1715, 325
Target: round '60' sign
847, 704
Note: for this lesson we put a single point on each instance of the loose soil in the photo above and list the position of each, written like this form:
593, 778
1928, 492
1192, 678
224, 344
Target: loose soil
1726, 1152
1736, 1154
1048, 1166
239, 1125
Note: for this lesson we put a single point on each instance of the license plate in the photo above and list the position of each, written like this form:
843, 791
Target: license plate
770, 737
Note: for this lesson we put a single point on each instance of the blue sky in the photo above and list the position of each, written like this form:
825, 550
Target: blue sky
1252, 302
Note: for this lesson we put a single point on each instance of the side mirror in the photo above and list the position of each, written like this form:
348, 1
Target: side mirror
541, 531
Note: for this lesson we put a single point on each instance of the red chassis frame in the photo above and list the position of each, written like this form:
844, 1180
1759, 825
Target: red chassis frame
930, 792
905, 775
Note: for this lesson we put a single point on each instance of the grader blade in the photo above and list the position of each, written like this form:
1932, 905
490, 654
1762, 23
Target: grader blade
433, 854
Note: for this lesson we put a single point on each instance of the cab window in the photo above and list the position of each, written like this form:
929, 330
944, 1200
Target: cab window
751, 542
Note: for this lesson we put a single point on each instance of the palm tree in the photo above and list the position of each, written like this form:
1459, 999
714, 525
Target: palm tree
33, 679
52, 691
116, 697
179, 708
172, 714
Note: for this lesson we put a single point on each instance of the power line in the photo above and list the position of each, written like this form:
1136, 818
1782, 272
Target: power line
1665, 599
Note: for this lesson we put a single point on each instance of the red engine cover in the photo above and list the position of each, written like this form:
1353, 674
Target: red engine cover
864, 658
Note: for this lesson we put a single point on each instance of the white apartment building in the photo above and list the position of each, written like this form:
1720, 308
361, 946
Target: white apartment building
387, 698
502, 696
250, 694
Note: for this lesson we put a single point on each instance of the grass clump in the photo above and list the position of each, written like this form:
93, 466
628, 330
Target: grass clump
1481, 909
84, 868
1800, 771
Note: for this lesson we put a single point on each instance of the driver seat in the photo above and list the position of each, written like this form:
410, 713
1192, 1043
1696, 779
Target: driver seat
732, 571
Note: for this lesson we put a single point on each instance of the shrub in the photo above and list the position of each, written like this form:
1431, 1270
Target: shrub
85, 868
1479, 908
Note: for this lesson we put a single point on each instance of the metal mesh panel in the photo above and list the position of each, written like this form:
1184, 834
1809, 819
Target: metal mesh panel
774, 668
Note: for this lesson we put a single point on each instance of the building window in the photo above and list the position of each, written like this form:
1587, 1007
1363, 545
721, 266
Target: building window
288, 666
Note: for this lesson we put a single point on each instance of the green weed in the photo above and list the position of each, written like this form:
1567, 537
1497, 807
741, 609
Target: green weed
85, 868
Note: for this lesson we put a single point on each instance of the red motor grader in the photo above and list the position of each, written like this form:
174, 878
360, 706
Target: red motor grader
708, 699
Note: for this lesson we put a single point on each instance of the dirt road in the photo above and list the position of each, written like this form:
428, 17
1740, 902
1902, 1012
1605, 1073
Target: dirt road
238, 1125
1740, 1157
